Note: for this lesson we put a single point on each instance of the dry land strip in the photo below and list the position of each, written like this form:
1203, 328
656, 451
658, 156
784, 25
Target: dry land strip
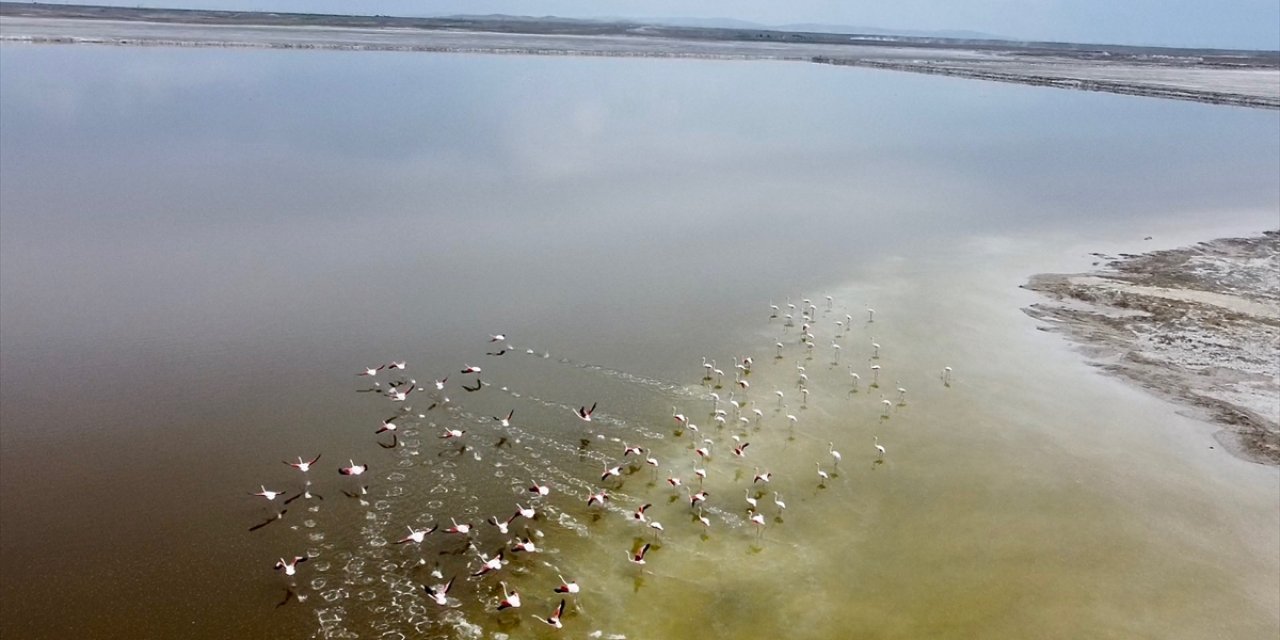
1232, 77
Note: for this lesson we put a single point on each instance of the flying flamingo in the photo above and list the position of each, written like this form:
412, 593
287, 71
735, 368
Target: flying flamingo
439, 594
554, 618
303, 465
416, 536
290, 567
638, 557
267, 493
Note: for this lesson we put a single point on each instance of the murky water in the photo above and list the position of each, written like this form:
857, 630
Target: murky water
200, 249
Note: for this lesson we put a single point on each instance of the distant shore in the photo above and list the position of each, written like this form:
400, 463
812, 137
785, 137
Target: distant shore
1198, 325
1237, 78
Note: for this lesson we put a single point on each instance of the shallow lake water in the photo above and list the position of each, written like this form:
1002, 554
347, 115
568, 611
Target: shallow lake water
200, 249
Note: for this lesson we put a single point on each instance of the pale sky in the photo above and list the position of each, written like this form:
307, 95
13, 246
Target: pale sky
1248, 24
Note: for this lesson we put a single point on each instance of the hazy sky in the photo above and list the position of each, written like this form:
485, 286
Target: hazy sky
1251, 24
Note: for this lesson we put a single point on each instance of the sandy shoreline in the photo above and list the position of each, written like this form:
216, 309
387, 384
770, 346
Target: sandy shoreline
1199, 325
1248, 79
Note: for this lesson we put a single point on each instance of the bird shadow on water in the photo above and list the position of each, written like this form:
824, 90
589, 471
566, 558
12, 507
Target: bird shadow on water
268, 521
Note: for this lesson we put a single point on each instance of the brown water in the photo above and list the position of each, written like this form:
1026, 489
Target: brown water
199, 249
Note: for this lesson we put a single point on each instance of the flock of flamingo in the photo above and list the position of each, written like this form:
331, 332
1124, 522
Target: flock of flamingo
740, 427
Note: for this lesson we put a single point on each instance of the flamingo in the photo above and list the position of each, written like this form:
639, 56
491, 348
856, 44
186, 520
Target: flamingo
705, 450
353, 469
503, 525
638, 557
290, 567
835, 455
439, 594
416, 536
387, 425
697, 498
554, 618
638, 514
302, 465
584, 413
567, 586
505, 422
372, 371
657, 529
460, 529
879, 447
400, 395
510, 599
679, 417
489, 564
